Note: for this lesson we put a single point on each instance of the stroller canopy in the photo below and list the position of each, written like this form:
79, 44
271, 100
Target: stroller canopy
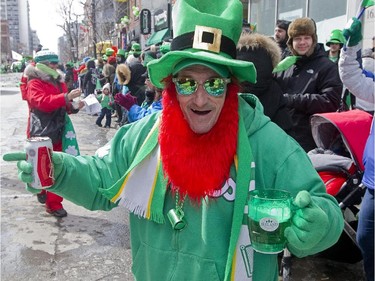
337, 130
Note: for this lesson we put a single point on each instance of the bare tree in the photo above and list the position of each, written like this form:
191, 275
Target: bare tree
70, 26
98, 24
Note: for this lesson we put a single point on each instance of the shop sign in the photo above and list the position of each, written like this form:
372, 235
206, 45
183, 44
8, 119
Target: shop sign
145, 21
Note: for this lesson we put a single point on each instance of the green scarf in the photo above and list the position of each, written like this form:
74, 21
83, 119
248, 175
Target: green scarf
47, 70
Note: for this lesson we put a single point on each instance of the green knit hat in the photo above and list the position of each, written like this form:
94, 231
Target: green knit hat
336, 37
135, 49
205, 30
165, 47
121, 52
109, 52
45, 55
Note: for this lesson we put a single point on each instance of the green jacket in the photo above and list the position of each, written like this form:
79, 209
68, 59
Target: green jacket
200, 250
105, 100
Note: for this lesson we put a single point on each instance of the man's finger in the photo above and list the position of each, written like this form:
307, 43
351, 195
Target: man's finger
25, 167
26, 178
14, 156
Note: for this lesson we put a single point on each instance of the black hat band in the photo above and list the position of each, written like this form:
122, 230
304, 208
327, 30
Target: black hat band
205, 38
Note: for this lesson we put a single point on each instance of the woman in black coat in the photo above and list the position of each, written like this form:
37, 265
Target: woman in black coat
265, 54
89, 80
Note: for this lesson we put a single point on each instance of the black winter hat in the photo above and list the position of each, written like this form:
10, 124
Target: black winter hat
283, 24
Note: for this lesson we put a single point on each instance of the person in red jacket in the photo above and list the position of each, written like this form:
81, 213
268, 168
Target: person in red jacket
49, 101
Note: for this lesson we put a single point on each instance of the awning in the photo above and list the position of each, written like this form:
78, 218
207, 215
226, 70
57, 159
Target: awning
157, 37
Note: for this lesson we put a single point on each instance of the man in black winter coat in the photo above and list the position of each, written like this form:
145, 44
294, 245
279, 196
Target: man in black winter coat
281, 37
312, 84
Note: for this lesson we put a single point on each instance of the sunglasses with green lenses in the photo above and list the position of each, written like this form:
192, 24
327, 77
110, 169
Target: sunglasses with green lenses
213, 86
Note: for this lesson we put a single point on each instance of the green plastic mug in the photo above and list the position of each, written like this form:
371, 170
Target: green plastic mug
270, 211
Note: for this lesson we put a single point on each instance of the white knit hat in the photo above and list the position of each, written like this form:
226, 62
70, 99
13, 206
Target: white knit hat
107, 86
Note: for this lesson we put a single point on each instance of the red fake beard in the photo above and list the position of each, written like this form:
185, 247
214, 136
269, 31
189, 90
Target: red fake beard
197, 164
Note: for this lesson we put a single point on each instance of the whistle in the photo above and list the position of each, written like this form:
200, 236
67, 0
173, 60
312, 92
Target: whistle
176, 218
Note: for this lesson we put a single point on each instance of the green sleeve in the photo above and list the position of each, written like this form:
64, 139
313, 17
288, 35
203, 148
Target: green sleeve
82, 176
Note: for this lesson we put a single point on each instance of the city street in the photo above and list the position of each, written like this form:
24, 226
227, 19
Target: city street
84, 245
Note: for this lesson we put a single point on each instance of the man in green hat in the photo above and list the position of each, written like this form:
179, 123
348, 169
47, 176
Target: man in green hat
184, 173
134, 53
109, 52
335, 42
137, 69
120, 56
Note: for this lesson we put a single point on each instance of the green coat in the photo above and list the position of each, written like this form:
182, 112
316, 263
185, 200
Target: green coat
105, 100
200, 250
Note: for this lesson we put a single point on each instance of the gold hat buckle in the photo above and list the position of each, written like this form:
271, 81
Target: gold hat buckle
207, 38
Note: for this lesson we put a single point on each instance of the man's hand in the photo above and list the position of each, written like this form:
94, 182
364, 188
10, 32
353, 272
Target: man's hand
352, 32
25, 169
309, 223
74, 94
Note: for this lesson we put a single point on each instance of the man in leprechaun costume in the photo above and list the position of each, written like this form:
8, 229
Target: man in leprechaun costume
184, 173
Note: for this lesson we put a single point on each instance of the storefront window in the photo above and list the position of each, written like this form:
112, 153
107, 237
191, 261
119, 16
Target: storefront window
291, 9
262, 13
321, 10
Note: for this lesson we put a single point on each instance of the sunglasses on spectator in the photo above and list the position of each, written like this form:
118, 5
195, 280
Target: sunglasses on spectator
214, 86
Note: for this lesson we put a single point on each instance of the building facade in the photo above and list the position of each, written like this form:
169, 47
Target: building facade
16, 34
119, 23
328, 15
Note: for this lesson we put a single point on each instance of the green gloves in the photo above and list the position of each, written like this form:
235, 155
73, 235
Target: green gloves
286, 63
25, 169
353, 32
309, 224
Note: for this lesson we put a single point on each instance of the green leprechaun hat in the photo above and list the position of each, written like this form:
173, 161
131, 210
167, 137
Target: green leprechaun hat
207, 31
336, 37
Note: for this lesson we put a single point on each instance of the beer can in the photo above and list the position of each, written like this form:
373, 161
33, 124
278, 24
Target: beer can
39, 155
